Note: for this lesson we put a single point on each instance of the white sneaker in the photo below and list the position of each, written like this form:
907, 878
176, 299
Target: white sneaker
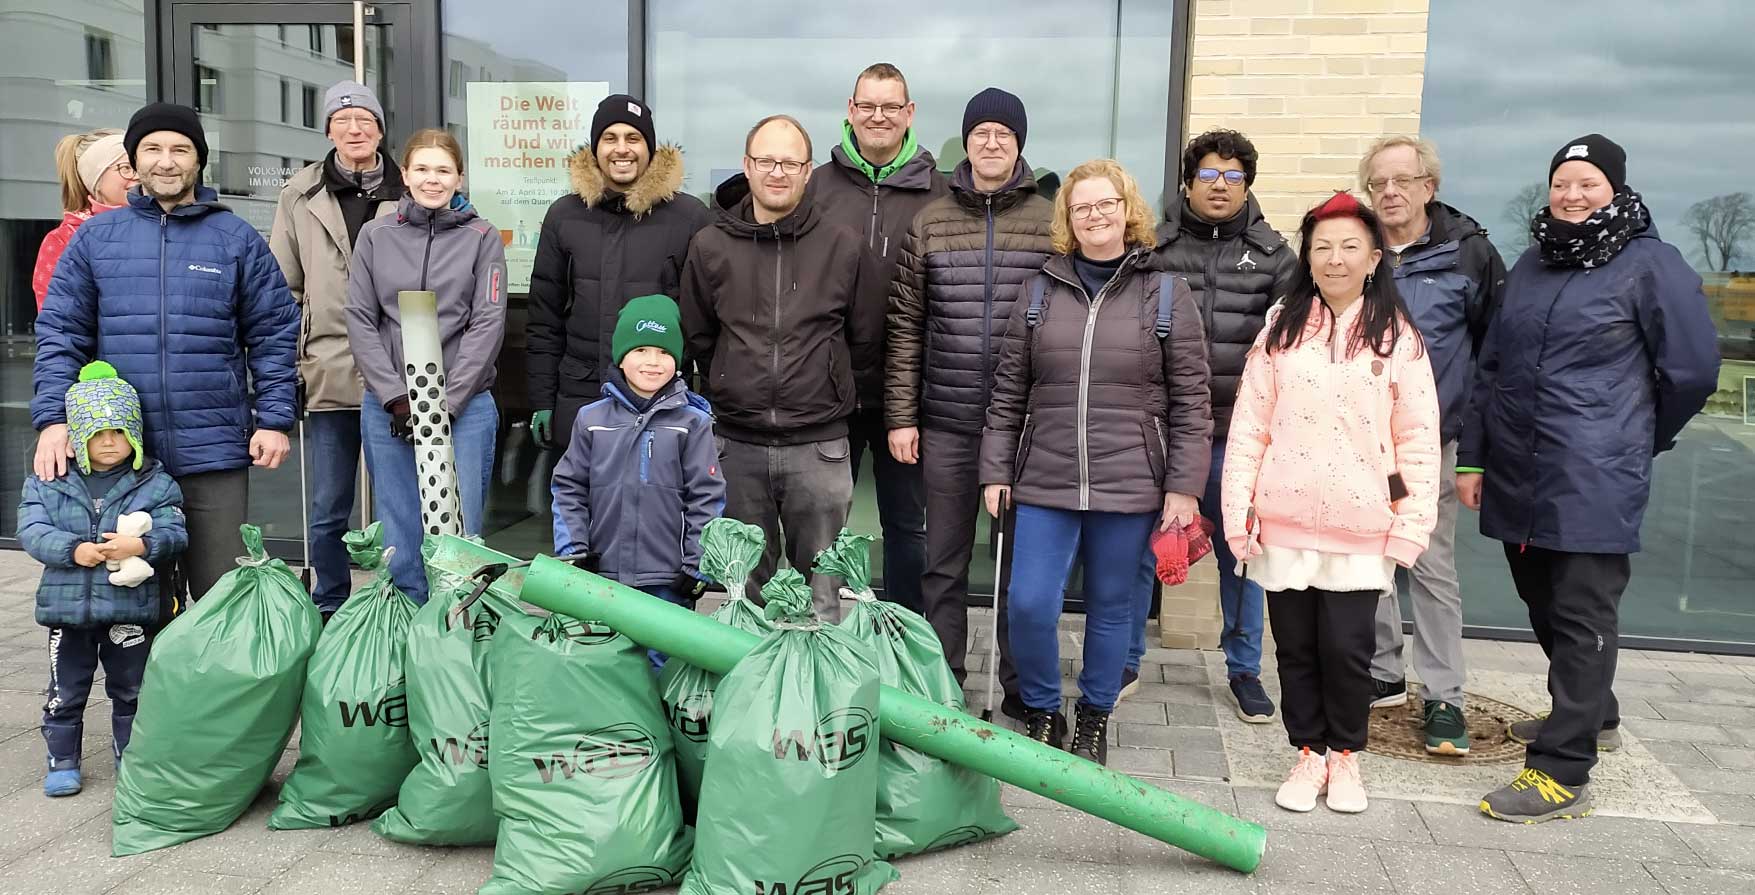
1308, 779
1346, 787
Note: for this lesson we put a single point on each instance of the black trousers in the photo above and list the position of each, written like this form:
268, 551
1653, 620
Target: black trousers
1574, 601
950, 463
1323, 641
214, 505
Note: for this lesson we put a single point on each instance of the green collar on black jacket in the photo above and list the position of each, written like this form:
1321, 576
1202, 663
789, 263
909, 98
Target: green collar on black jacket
850, 145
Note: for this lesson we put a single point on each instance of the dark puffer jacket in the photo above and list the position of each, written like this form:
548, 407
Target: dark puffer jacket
1585, 375
962, 265
192, 309
1237, 269
597, 249
769, 321
1091, 410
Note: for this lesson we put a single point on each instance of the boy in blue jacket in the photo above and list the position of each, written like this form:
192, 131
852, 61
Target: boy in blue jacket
640, 478
95, 607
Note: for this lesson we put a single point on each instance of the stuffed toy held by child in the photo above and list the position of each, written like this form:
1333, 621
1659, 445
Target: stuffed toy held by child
132, 570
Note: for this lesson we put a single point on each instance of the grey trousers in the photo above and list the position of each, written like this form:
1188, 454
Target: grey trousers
1437, 602
215, 504
799, 496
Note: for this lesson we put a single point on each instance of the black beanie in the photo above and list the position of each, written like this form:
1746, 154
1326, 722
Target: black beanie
1000, 107
1599, 150
157, 117
623, 109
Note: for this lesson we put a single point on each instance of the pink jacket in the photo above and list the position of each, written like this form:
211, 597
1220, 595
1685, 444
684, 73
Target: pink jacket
1315, 438
56, 243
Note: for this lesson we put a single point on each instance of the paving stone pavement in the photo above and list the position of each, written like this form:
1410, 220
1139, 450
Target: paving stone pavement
1690, 718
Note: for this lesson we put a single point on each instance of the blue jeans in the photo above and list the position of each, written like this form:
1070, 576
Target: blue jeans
331, 456
1241, 600
396, 487
1108, 546
901, 504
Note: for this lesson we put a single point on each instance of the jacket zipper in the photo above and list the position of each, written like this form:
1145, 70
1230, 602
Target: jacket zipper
93, 507
987, 314
646, 459
774, 379
427, 254
1084, 412
164, 361
871, 237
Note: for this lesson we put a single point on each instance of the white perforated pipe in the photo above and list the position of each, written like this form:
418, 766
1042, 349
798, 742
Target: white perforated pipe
423, 370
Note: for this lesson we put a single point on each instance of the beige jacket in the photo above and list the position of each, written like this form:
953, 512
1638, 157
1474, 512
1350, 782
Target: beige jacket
309, 239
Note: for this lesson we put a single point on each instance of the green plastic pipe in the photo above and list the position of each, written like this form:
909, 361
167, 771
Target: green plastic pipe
909, 720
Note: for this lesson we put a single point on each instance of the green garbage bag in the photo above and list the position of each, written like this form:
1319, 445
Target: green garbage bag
447, 799
790, 795
729, 551
923, 803
217, 705
354, 747
583, 781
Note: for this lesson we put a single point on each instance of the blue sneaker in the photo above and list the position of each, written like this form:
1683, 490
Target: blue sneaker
1252, 702
62, 782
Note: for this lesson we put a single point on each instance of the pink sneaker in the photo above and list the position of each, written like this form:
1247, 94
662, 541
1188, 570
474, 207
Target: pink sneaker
1346, 788
1308, 779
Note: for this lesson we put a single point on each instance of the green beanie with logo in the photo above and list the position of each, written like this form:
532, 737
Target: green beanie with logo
648, 321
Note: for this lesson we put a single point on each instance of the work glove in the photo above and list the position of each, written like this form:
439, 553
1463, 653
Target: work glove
542, 428
688, 587
400, 426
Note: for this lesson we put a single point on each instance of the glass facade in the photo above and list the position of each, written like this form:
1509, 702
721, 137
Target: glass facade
1503, 90
1097, 77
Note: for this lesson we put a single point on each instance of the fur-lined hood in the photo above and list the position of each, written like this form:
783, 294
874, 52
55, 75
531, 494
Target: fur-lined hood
656, 186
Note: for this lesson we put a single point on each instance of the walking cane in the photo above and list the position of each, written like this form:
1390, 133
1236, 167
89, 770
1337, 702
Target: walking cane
1005, 500
304, 508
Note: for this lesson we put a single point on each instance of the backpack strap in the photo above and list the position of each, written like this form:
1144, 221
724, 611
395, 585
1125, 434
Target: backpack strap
1038, 291
1166, 298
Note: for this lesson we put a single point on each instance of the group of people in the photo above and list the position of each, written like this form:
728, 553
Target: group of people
1089, 374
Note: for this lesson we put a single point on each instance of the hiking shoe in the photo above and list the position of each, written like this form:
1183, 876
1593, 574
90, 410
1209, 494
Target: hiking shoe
1012, 706
1253, 704
1388, 694
1525, 733
1090, 734
1130, 683
62, 782
1535, 797
1346, 786
1308, 779
1446, 731
1046, 727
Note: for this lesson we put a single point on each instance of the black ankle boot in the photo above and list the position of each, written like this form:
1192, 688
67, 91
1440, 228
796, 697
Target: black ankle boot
1091, 734
1046, 727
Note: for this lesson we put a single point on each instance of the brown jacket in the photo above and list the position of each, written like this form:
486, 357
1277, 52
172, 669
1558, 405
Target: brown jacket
961, 267
1091, 411
309, 240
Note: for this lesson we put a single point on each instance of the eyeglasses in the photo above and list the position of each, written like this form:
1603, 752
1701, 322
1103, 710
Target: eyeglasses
1212, 175
1084, 210
999, 136
872, 110
363, 122
787, 166
1402, 183
124, 169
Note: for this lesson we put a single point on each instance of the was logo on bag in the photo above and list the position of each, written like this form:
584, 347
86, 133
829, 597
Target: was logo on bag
610, 753
470, 750
362, 816
487, 621
691, 715
632, 881
584, 633
391, 712
831, 877
839, 741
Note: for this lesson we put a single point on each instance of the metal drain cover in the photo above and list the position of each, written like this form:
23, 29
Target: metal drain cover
1400, 732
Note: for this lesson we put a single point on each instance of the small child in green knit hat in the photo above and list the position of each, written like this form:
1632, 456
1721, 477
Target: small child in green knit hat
640, 478
99, 531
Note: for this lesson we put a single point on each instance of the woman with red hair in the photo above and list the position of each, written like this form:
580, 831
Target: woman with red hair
1330, 482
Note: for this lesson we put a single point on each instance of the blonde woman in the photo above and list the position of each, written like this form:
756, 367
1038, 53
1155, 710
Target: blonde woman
95, 176
1100, 429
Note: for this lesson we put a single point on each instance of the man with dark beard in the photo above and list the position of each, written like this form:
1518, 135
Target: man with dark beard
185, 300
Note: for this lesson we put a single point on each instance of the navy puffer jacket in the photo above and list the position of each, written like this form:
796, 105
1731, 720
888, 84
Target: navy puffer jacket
1584, 377
192, 310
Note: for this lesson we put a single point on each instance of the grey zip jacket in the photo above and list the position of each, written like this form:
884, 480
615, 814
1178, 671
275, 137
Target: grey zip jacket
453, 252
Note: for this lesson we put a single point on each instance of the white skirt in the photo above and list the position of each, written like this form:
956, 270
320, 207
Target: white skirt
1289, 568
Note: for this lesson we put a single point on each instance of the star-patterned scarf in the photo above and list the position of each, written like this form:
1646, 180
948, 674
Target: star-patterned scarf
1595, 240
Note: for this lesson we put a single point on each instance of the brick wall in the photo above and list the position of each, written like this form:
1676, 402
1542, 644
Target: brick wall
1312, 82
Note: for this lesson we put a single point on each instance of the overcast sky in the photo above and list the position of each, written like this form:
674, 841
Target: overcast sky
1508, 82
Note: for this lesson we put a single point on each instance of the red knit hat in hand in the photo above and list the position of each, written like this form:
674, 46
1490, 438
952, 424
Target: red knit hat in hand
1179, 548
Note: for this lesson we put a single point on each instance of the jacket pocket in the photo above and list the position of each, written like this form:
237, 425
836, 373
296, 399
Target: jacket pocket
574, 375
841, 388
835, 450
1023, 451
1155, 449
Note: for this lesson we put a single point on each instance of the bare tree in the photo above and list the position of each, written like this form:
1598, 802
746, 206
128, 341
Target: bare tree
1518, 212
1721, 223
